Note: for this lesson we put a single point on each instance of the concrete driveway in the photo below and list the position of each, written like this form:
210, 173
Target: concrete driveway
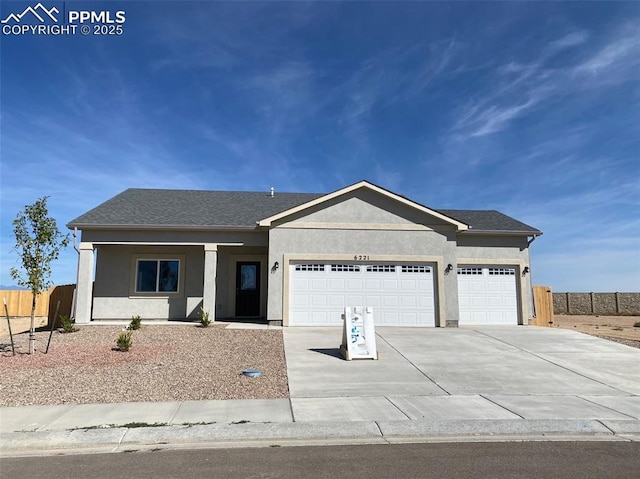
464, 373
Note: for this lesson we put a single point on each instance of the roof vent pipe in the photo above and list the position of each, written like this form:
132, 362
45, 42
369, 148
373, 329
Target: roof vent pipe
272, 192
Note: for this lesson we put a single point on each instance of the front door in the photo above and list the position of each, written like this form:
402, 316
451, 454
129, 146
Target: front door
248, 289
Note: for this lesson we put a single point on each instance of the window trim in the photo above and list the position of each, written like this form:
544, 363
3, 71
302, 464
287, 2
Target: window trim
133, 286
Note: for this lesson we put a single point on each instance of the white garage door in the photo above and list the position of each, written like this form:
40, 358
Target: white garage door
487, 295
400, 294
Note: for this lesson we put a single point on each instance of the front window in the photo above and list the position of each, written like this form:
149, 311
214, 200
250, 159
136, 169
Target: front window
157, 276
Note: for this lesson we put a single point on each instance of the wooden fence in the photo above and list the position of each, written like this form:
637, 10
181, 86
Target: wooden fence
19, 301
64, 294
543, 299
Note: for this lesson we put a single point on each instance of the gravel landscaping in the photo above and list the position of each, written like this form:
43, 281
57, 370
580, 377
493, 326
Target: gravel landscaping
165, 363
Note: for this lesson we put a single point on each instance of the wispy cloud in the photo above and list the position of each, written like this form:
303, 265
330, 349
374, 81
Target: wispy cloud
518, 87
618, 60
569, 40
494, 119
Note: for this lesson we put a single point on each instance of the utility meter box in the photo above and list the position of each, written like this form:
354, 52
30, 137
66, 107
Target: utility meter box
358, 334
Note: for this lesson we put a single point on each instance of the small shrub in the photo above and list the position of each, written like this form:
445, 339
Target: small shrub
136, 322
124, 340
68, 324
636, 324
204, 318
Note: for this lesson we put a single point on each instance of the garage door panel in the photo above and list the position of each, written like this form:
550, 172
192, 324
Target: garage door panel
373, 284
408, 302
317, 284
390, 318
426, 303
409, 319
400, 295
390, 302
300, 302
336, 300
373, 301
409, 285
478, 302
511, 302
389, 285
494, 302
301, 284
319, 317
318, 300
464, 302
354, 299
493, 287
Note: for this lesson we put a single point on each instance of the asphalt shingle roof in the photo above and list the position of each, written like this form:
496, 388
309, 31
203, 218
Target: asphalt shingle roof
148, 207
192, 208
490, 220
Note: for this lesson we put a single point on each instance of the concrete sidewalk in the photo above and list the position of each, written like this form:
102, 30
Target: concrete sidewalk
502, 383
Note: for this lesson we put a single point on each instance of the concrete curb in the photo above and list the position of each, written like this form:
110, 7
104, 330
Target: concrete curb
289, 434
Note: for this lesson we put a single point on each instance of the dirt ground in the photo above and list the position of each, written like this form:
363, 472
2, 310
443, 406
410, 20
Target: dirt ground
610, 327
20, 324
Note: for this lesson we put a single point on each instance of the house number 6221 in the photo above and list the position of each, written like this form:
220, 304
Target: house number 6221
361, 257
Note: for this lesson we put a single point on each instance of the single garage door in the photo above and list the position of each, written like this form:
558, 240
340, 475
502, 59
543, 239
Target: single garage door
400, 294
487, 295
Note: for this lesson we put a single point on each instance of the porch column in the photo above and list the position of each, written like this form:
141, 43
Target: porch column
209, 285
84, 285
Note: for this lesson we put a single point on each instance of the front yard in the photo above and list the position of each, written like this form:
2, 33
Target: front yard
165, 363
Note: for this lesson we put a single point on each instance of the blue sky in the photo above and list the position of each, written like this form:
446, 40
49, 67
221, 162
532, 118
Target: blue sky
532, 109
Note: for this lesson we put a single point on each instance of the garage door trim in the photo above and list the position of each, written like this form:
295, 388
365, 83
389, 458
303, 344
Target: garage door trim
435, 261
484, 271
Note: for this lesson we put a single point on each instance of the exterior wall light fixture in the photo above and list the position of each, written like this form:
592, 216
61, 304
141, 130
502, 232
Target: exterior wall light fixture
448, 269
525, 270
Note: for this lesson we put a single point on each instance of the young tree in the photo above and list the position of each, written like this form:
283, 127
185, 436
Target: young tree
38, 242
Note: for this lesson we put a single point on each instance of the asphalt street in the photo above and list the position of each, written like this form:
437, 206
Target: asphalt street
569, 460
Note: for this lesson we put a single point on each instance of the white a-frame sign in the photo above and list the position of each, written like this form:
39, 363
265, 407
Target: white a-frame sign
358, 334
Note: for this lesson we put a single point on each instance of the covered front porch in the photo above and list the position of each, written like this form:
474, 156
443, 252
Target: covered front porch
171, 281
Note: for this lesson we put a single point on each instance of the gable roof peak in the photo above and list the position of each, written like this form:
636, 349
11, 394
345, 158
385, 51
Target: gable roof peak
373, 187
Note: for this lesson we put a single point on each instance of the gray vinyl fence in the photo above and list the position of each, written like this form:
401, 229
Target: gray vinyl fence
625, 304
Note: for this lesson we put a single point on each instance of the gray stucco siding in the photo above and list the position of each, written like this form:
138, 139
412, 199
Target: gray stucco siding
113, 299
379, 245
114, 296
485, 241
364, 207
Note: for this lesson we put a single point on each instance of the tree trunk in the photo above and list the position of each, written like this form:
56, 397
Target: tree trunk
32, 329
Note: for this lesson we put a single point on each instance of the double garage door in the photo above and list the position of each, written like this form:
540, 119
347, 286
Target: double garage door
487, 295
400, 294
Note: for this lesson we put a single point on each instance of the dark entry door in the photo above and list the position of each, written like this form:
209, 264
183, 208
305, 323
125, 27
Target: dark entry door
248, 289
